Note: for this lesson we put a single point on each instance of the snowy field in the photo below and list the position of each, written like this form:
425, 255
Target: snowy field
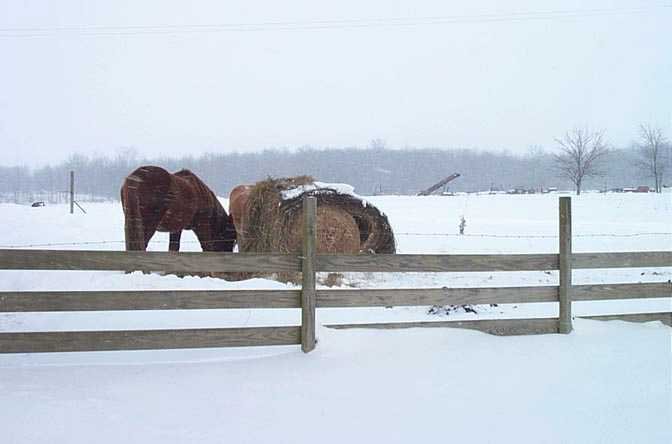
605, 382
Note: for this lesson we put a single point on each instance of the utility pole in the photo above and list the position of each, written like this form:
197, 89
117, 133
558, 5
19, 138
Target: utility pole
72, 192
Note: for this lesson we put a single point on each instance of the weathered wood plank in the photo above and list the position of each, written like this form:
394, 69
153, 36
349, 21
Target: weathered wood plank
664, 317
622, 291
171, 262
499, 327
436, 262
146, 300
565, 271
67, 341
308, 293
622, 260
45, 301
434, 296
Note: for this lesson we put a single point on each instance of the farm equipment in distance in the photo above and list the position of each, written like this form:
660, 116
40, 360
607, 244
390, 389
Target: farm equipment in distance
438, 184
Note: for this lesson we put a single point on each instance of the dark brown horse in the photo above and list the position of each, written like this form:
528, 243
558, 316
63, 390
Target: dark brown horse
155, 200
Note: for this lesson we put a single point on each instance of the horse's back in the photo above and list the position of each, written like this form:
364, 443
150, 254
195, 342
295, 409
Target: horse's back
151, 193
147, 182
204, 198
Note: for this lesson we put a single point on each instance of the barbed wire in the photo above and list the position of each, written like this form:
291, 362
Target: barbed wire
63, 244
530, 236
477, 235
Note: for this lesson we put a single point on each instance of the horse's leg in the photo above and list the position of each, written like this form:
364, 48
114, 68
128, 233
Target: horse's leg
202, 227
133, 225
174, 244
150, 229
134, 233
204, 238
151, 221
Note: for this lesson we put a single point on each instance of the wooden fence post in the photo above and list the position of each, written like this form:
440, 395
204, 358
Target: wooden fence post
72, 192
308, 294
565, 288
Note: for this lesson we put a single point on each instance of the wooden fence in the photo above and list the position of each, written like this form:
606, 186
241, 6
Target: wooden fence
308, 298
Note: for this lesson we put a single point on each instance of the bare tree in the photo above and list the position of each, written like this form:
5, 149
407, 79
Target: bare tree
580, 154
652, 149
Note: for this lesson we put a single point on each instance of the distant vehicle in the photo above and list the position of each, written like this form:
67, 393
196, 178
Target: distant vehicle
643, 189
38, 204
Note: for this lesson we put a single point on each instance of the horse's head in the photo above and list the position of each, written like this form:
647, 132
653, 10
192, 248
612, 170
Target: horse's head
225, 234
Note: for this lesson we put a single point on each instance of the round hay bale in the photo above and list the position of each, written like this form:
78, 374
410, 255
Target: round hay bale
336, 232
375, 232
269, 223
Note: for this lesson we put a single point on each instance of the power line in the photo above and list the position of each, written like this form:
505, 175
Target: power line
313, 25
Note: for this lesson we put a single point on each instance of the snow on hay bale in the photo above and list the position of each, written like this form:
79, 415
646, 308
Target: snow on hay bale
346, 223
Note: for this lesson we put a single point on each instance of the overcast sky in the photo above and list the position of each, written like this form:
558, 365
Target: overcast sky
90, 77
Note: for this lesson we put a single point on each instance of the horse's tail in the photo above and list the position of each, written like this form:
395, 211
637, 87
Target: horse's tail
134, 230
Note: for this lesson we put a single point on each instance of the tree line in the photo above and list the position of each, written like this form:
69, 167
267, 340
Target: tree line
583, 162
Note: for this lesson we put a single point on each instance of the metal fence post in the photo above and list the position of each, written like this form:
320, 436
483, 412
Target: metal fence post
308, 294
565, 268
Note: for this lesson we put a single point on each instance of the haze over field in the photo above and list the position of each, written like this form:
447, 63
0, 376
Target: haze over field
171, 79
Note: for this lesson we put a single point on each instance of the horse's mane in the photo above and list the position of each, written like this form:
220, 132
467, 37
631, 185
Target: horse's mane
196, 181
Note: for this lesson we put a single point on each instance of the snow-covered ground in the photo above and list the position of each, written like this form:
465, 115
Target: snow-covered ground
605, 382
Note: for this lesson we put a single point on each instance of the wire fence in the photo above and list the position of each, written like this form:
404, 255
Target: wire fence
531, 236
410, 234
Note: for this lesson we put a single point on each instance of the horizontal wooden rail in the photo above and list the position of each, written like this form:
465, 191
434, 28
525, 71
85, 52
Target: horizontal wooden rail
621, 291
664, 317
169, 262
485, 295
622, 260
68, 341
208, 262
436, 262
45, 301
434, 296
147, 300
499, 327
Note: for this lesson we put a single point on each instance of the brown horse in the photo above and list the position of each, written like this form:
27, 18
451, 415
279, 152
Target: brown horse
238, 199
155, 200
